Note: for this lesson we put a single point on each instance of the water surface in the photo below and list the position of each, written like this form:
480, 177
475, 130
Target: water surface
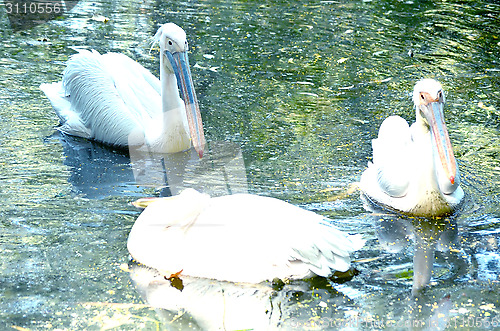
300, 89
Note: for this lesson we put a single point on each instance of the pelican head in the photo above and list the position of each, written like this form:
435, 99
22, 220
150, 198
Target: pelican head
429, 99
174, 59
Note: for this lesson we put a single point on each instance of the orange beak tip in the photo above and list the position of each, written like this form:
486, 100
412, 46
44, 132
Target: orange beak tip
200, 150
452, 180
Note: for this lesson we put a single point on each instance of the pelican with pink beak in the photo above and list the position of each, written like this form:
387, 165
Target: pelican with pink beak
113, 99
414, 169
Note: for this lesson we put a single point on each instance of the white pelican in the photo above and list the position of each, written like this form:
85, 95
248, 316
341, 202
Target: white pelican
414, 169
238, 238
113, 99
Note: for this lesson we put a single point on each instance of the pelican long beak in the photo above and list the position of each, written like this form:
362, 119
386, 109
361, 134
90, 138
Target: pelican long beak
180, 64
441, 140
142, 203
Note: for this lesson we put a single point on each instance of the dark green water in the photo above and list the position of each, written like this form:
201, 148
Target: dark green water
301, 88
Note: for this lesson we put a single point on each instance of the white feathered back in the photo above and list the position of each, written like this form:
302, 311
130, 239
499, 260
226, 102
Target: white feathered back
239, 238
107, 87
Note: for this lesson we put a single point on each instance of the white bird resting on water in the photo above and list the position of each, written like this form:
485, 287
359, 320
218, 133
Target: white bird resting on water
414, 169
113, 99
238, 238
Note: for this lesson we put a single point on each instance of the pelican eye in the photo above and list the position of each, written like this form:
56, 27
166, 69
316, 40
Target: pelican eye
422, 96
170, 42
440, 94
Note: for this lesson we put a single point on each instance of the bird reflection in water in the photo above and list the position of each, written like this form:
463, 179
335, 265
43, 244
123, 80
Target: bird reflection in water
221, 171
395, 233
436, 251
98, 171
207, 304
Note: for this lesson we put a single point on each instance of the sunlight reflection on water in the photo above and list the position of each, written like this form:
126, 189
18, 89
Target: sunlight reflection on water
302, 90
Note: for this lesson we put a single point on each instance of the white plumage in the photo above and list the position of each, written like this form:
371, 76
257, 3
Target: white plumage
113, 99
414, 169
238, 238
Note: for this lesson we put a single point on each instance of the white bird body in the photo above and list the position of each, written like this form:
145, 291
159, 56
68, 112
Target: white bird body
113, 99
238, 238
414, 169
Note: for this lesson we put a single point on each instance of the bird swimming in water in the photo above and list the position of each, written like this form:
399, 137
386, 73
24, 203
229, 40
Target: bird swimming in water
237, 238
113, 99
414, 169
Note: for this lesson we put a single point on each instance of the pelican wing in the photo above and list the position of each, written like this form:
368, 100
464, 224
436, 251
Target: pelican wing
104, 97
71, 122
240, 238
139, 89
389, 173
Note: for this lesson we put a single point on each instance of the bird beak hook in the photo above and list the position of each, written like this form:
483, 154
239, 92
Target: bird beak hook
180, 65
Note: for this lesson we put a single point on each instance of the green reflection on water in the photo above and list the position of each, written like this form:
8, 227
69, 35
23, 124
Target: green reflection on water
302, 87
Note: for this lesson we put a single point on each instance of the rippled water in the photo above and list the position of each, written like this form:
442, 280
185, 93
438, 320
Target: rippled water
298, 90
